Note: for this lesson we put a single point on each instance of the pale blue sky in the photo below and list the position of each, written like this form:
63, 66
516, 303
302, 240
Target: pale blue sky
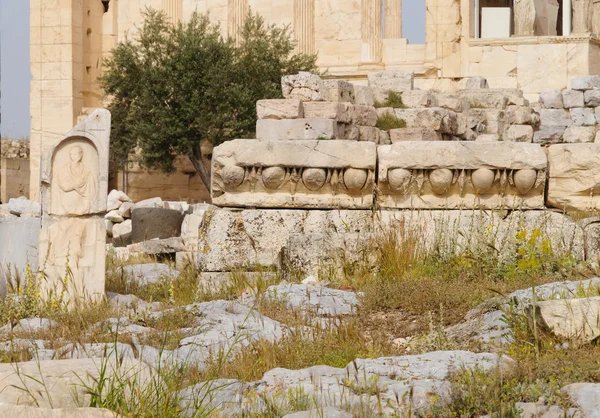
14, 58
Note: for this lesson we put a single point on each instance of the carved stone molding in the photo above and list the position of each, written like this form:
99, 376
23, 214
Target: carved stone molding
449, 175
294, 174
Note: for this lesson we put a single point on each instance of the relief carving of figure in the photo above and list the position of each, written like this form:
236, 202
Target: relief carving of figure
582, 16
77, 185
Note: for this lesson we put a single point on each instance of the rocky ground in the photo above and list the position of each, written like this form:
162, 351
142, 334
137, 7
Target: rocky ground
130, 351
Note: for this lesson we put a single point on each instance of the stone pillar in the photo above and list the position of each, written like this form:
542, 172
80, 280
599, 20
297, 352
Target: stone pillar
237, 10
57, 69
74, 186
582, 16
173, 9
566, 17
371, 32
304, 25
393, 19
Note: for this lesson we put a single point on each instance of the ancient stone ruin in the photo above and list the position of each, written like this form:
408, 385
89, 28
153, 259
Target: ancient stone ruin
74, 183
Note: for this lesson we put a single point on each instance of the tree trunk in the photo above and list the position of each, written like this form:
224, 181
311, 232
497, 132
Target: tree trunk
201, 169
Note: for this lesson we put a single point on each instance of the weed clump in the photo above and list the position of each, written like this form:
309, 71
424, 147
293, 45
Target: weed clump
389, 121
394, 100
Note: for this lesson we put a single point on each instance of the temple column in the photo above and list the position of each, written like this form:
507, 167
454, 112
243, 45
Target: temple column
566, 17
173, 9
237, 10
393, 19
304, 25
371, 32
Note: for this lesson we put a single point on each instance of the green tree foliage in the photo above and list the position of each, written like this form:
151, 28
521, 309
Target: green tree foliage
171, 87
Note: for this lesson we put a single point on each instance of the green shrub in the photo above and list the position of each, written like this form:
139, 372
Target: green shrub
394, 100
388, 121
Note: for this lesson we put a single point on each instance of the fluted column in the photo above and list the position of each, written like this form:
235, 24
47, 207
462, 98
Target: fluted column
393, 19
237, 10
371, 32
173, 9
304, 25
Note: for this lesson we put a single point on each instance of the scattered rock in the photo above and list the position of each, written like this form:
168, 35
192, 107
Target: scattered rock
155, 202
125, 209
151, 223
568, 319
115, 199
328, 412
22, 206
324, 301
21, 411
122, 233
149, 273
114, 216
586, 396
32, 325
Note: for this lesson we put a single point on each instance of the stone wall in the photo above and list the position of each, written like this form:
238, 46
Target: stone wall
14, 169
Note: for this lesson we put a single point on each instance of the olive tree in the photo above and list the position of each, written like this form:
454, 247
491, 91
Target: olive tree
171, 87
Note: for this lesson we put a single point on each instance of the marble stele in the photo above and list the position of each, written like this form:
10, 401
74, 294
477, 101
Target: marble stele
469, 175
74, 185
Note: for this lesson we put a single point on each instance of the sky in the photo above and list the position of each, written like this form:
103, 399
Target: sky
14, 58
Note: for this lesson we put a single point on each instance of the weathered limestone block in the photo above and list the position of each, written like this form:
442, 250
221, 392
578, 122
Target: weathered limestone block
440, 175
592, 98
492, 121
363, 95
74, 189
337, 91
326, 110
549, 135
414, 134
303, 86
521, 115
488, 138
583, 116
436, 118
451, 102
279, 109
392, 81
368, 133
252, 239
293, 129
551, 99
578, 134
475, 83
348, 131
362, 115
419, 98
487, 99
573, 98
574, 176
519, 133
555, 117
234, 239
588, 82
294, 174
569, 319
